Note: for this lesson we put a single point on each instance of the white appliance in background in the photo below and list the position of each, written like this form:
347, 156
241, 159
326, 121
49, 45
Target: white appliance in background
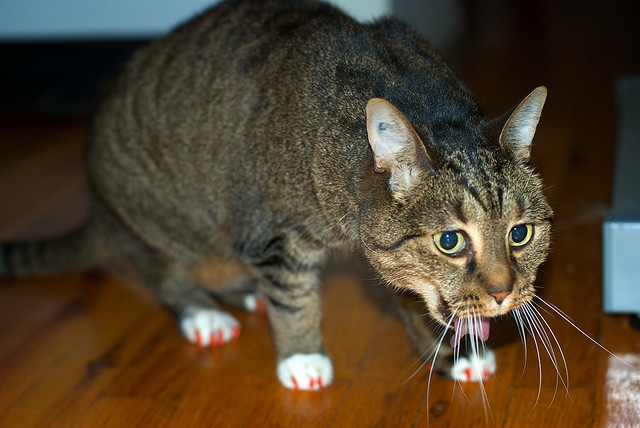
621, 228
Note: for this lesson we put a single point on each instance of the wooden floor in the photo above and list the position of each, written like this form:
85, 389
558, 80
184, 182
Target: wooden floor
89, 349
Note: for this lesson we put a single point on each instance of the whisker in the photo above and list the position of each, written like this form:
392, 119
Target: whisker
428, 357
433, 361
555, 339
528, 321
573, 324
546, 343
522, 332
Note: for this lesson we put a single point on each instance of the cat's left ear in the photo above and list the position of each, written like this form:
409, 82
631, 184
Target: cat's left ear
396, 146
517, 133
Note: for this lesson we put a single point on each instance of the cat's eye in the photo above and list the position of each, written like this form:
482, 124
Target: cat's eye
450, 243
520, 235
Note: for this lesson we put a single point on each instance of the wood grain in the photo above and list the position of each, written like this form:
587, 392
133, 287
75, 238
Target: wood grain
90, 349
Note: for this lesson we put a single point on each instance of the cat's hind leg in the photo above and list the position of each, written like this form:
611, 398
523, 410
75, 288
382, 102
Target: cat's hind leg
208, 326
242, 294
199, 317
230, 281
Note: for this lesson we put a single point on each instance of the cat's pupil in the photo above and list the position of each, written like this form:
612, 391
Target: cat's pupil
519, 233
449, 240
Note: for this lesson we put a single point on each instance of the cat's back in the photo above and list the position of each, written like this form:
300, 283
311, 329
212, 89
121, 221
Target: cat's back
210, 76
219, 114
194, 100
187, 119
228, 69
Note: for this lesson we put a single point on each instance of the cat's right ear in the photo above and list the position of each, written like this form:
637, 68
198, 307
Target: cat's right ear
517, 133
396, 146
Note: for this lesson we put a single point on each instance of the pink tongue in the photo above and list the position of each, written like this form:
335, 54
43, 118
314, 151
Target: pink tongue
478, 327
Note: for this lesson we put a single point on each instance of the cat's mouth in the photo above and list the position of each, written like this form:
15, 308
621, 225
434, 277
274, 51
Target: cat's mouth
475, 326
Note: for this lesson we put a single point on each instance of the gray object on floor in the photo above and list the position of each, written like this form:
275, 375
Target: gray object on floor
621, 228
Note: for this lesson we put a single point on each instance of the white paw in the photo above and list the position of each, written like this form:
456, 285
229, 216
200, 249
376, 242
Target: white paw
474, 368
209, 327
253, 302
305, 371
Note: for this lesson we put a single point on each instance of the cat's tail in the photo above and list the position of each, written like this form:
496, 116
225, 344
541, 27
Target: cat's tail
77, 250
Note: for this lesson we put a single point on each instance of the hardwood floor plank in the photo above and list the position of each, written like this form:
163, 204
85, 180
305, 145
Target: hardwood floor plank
37, 299
353, 321
553, 409
25, 358
67, 351
124, 412
101, 369
384, 384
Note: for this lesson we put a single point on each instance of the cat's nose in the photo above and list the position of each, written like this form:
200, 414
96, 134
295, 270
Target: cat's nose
500, 293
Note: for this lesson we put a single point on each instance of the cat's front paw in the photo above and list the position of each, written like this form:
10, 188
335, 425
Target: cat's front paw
209, 327
305, 371
474, 367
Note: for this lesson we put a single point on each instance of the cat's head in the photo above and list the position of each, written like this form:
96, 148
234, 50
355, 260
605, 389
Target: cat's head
464, 224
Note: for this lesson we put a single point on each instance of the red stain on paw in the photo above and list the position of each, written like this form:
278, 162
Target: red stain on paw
260, 306
467, 374
295, 383
198, 338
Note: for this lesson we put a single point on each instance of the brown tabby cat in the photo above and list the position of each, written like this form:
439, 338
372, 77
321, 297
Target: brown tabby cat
234, 154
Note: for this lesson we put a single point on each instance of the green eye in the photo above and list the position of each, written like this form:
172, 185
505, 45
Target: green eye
449, 243
520, 235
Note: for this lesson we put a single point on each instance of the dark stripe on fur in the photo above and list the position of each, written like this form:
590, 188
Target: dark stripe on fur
275, 255
500, 199
396, 245
459, 213
279, 305
278, 284
272, 260
474, 193
471, 266
283, 260
261, 251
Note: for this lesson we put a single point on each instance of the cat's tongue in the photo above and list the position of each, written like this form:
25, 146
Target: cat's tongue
478, 327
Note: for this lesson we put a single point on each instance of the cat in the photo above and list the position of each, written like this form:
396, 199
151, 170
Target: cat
233, 155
